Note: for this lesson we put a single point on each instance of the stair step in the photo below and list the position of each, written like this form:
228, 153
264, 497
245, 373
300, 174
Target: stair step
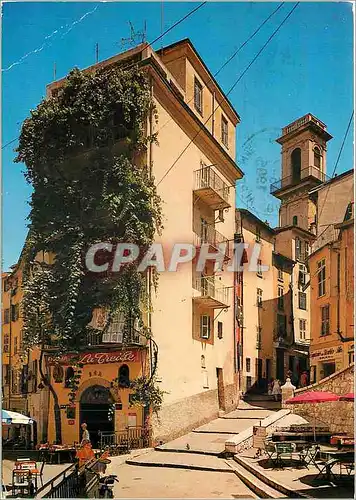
261, 489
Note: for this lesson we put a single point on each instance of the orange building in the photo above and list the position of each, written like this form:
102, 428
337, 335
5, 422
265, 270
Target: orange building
332, 293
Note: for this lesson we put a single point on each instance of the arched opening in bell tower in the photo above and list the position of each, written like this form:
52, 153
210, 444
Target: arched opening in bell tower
317, 157
296, 161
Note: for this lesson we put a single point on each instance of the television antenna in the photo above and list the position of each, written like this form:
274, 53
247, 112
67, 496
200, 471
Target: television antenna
135, 38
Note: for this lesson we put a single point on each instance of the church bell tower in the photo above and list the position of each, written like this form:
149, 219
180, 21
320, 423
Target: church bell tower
303, 168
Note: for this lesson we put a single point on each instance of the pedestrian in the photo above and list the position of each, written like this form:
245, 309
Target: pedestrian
85, 435
276, 389
270, 386
304, 379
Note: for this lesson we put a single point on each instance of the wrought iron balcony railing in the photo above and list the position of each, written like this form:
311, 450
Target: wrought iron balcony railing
207, 179
127, 336
291, 180
212, 291
206, 233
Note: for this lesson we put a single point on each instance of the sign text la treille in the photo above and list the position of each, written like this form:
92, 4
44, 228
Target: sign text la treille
96, 358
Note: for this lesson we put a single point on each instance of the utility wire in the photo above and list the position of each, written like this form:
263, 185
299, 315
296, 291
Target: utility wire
148, 45
233, 55
230, 90
336, 164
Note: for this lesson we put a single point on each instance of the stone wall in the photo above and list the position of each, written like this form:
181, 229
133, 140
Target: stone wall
338, 415
185, 415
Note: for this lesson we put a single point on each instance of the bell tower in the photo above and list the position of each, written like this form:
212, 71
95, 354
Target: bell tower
303, 168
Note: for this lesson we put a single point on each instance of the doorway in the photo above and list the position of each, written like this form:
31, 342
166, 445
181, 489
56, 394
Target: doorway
221, 392
328, 369
280, 364
259, 373
268, 370
95, 403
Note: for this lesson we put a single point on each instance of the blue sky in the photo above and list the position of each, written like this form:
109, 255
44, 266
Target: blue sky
307, 67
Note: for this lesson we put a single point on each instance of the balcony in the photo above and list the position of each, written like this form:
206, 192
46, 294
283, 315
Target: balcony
119, 336
212, 293
206, 233
211, 189
309, 118
310, 173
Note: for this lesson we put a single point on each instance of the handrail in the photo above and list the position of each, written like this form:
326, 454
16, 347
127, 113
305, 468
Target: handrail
53, 479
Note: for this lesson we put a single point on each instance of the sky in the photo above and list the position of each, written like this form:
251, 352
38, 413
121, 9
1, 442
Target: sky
307, 67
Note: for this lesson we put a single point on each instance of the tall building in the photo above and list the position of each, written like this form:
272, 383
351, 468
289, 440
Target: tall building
193, 349
304, 144
331, 266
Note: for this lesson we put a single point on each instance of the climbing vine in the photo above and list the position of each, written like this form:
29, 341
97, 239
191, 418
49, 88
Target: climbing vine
146, 393
85, 156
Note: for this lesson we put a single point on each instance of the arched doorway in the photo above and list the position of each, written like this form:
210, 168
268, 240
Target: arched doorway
95, 403
296, 158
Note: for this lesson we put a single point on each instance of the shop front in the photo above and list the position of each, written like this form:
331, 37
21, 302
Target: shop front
102, 399
325, 362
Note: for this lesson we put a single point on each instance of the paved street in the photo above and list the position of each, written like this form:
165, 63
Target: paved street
149, 482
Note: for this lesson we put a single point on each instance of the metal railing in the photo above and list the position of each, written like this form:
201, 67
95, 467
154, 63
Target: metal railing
125, 336
291, 180
302, 121
125, 440
206, 233
73, 482
207, 178
209, 287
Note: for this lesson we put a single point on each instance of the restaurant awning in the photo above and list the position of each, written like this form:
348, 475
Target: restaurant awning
11, 417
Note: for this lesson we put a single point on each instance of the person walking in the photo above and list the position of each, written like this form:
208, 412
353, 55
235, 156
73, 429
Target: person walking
304, 379
276, 389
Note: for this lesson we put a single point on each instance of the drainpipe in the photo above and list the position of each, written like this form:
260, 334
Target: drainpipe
10, 353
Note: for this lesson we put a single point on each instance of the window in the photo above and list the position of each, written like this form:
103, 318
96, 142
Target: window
302, 328
124, 376
204, 326
116, 329
351, 357
15, 345
258, 337
302, 279
220, 330
325, 320
202, 361
224, 131
280, 274
297, 248
296, 161
259, 297
321, 278
198, 96
280, 298
295, 220
6, 343
6, 316
15, 312
259, 268
68, 377
258, 234
6, 285
281, 325
302, 300
6, 374
317, 157
306, 245
248, 364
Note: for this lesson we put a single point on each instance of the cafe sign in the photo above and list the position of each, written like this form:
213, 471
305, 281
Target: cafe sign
326, 354
96, 358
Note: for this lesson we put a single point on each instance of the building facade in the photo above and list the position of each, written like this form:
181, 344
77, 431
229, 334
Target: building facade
193, 349
332, 279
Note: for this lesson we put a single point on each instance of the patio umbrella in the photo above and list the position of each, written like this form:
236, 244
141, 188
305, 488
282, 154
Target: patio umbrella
348, 397
12, 417
313, 397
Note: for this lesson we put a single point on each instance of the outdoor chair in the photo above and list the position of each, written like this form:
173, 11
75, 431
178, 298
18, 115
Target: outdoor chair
309, 455
325, 468
277, 452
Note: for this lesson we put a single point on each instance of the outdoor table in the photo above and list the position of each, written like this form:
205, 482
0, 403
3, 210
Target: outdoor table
55, 455
332, 456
